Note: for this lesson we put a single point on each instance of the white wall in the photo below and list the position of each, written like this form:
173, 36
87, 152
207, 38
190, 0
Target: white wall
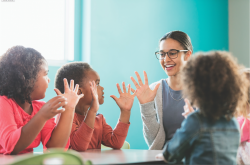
239, 30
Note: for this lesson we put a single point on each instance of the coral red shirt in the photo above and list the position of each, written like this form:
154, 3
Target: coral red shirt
83, 137
13, 118
245, 134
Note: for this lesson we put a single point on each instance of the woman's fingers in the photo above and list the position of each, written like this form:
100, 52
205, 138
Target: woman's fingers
145, 78
118, 88
124, 87
129, 88
139, 78
135, 83
156, 88
132, 90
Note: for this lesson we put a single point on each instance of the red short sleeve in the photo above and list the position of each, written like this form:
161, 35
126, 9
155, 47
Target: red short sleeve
9, 131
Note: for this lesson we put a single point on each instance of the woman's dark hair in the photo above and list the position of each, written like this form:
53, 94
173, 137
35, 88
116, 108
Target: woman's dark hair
214, 83
181, 37
19, 67
74, 70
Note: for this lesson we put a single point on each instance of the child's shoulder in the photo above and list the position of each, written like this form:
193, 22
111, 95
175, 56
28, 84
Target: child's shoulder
5, 99
37, 105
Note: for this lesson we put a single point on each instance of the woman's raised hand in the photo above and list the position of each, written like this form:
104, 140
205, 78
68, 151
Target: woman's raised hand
70, 93
125, 102
187, 108
95, 102
143, 92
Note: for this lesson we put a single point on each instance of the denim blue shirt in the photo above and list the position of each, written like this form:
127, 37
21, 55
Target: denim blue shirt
202, 141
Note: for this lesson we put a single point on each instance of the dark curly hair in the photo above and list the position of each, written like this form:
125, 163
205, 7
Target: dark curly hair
74, 70
213, 82
19, 67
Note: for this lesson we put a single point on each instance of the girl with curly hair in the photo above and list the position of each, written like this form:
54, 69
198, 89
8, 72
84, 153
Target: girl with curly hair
25, 121
243, 156
210, 135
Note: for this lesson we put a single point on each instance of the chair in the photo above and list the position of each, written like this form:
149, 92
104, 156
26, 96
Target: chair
125, 145
53, 156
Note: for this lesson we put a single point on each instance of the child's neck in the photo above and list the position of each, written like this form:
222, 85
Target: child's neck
27, 107
83, 110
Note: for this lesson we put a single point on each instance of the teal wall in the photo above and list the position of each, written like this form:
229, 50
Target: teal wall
125, 35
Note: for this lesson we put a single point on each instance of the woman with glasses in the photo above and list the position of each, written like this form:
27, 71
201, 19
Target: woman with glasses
162, 103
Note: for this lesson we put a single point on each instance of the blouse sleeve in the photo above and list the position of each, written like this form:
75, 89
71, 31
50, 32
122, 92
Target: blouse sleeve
9, 133
114, 138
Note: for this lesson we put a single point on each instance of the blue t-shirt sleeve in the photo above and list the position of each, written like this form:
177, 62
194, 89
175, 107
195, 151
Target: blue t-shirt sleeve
176, 149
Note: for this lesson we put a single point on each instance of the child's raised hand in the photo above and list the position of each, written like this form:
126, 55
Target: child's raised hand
143, 92
125, 102
187, 108
95, 102
50, 109
70, 93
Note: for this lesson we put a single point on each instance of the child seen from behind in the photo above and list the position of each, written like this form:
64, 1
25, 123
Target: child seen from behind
210, 135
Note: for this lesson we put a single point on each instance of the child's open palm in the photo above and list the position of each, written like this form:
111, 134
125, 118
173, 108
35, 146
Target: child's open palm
70, 93
143, 92
125, 102
95, 103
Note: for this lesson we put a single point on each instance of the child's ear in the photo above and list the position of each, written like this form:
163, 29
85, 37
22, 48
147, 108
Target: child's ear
79, 91
188, 55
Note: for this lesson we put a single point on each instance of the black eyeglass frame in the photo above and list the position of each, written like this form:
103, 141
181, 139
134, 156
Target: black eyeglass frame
168, 54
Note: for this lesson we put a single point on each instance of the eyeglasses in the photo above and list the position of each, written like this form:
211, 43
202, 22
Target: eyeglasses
173, 53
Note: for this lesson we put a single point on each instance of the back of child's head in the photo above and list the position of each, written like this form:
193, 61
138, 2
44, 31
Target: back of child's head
212, 82
19, 67
74, 70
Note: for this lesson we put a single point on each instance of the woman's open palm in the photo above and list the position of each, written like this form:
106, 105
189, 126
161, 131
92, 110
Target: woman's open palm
143, 92
126, 100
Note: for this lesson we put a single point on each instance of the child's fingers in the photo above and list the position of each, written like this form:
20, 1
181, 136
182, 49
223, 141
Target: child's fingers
58, 92
135, 83
139, 78
114, 97
60, 110
57, 99
76, 88
66, 85
145, 78
60, 104
124, 87
71, 85
118, 88
80, 96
